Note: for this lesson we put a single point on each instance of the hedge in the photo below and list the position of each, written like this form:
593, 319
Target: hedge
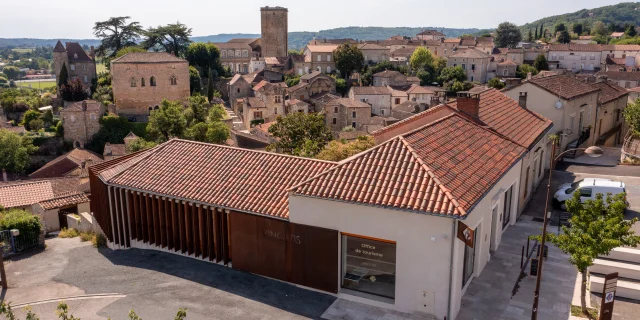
28, 224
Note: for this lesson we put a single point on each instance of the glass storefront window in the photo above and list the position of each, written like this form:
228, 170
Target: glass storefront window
369, 266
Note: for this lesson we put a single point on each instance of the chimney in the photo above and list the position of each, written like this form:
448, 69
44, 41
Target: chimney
601, 78
92, 53
84, 105
435, 100
522, 100
107, 149
529, 75
469, 103
4, 175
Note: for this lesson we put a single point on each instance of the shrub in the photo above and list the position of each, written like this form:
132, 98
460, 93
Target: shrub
68, 233
28, 224
99, 240
87, 236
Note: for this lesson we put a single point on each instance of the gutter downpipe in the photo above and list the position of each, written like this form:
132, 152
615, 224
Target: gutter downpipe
453, 231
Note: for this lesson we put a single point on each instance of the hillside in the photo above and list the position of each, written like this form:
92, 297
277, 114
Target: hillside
297, 40
626, 12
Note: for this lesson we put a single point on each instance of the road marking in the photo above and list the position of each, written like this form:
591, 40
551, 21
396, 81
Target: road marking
72, 298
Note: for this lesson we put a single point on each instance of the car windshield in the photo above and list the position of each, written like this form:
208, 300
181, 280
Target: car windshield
570, 190
576, 184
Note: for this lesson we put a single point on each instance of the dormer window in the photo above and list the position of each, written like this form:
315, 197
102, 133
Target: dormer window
75, 56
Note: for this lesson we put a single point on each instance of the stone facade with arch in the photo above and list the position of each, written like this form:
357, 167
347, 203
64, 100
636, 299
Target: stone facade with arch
142, 80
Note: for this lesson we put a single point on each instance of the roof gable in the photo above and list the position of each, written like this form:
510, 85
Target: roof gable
561, 85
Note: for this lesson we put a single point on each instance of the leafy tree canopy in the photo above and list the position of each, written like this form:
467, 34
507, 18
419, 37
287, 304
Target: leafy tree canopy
524, 69
172, 38
564, 37
115, 34
300, 134
340, 150
541, 63
507, 35
203, 56
12, 73
452, 73
15, 151
348, 59
420, 58
195, 82
495, 83
632, 116
166, 122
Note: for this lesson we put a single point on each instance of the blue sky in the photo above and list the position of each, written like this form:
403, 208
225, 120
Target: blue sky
75, 18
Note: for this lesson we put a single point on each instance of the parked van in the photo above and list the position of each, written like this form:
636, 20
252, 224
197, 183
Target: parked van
588, 189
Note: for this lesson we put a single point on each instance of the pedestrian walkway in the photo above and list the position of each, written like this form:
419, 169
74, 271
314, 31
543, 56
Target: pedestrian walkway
238, 125
490, 295
342, 309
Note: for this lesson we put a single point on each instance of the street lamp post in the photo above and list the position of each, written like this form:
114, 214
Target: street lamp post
592, 151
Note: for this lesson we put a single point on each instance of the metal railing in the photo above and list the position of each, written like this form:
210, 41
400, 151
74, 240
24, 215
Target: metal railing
15, 244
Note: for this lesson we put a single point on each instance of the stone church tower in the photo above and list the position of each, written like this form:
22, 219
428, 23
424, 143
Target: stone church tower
275, 28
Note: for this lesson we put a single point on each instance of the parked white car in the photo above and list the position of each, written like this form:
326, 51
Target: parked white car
588, 189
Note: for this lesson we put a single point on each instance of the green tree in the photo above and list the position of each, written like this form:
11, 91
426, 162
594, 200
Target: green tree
457, 86
127, 50
63, 312
631, 31
421, 58
73, 90
496, 83
599, 29
167, 122
12, 73
597, 227
300, 134
541, 30
632, 116
63, 78
140, 144
210, 89
218, 132
194, 80
217, 113
113, 129
341, 86
536, 34
172, 38
452, 73
340, 150
564, 37
507, 35
115, 34
203, 56
559, 27
15, 151
200, 107
29, 116
291, 80
530, 36
577, 28
524, 69
47, 118
541, 63
348, 59
36, 124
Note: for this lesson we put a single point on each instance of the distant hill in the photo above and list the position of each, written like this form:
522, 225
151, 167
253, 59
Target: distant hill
621, 13
297, 40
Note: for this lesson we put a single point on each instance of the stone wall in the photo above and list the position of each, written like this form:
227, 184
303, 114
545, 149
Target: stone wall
80, 125
274, 31
133, 101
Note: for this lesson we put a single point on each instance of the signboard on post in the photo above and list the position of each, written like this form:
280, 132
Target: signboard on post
534, 267
608, 296
466, 234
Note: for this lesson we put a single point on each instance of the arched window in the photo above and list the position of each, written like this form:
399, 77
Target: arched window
133, 82
328, 69
156, 108
223, 53
173, 80
231, 53
142, 84
152, 81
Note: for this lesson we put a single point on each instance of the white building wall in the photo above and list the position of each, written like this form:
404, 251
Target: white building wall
378, 102
423, 244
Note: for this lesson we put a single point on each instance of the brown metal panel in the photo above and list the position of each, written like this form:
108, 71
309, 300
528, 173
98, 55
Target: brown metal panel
131, 215
188, 226
145, 219
225, 238
181, 228
195, 229
136, 215
121, 220
244, 237
100, 202
272, 254
313, 257
163, 227
153, 234
171, 237
209, 233
112, 213
202, 232
125, 216
216, 235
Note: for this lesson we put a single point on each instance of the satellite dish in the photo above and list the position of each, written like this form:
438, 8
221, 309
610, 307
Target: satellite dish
558, 104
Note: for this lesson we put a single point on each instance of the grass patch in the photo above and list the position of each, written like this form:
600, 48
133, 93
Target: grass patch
576, 311
68, 233
99, 240
44, 84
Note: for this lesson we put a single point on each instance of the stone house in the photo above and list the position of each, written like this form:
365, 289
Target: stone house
398, 97
575, 57
423, 95
402, 56
609, 116
393, 78
142, 80
531, 54
310, 85
295, 105
430, 35
117, 150
344, 112
255, 109
374, 53
272, 95
274, 22
81, 120
79, 64
320, 58
619, 51
241, 87
71, 164
624, 79
506, 69
569, 103
378, 97
236, 54
474, 62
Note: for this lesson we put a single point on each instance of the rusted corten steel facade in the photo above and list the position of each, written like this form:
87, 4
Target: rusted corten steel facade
253, 242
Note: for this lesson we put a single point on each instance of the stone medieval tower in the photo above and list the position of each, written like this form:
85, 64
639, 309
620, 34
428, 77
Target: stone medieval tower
59, 58
275, 28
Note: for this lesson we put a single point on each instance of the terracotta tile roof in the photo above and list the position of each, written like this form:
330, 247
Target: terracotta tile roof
387, 74
260, 85
620, 75
398, 93
413, 79
621, 47
254, 102
231, 178
28, 192
468, 42
609, 91
564, 86
326, 48
416, 89
443, 168
431, 33
352, 103
63, 201
371, 46
617, 34
507, 63
275, 60
311, 75
297, 57
148, 57
403, 52
470, 53
371, 90
297, 87
75, 53
506, 117
576, 47
64, 164
452, 40
413, 119
114, 149
92, 105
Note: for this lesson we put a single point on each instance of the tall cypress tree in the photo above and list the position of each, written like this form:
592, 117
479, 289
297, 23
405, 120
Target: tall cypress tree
530, 36
210, 86
542, 30
63, 78
537, 37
